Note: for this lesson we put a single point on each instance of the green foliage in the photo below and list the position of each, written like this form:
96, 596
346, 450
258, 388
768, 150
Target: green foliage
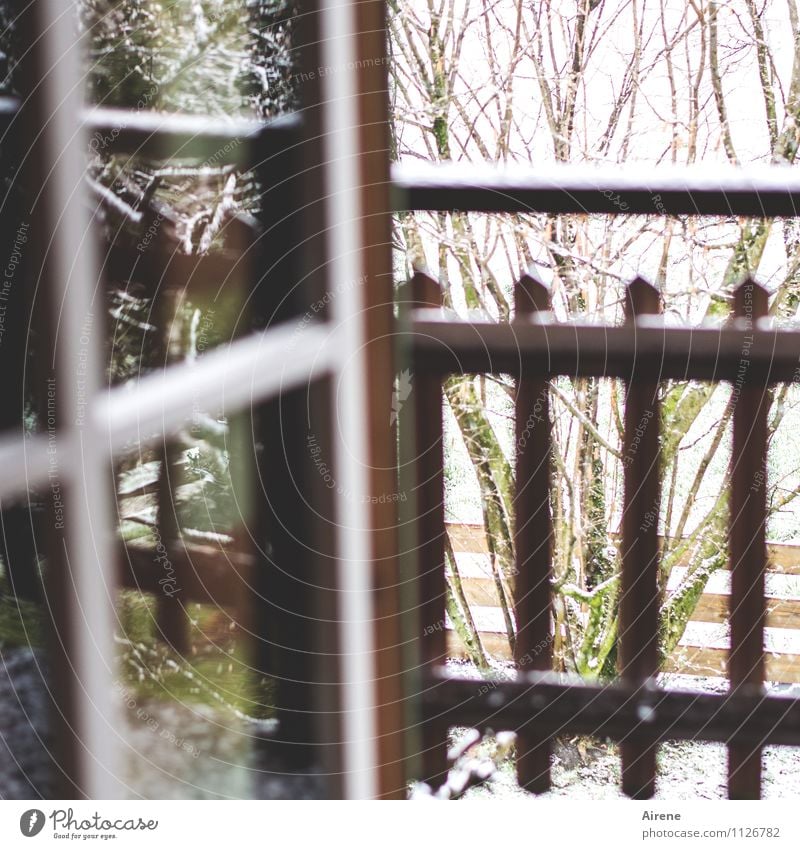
208, 57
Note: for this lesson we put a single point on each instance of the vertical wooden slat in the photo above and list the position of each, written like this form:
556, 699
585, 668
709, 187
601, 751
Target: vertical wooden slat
378, 315
747, 542
533, 534
172, 622
62, 680
20, 526
639, 600
295, 620
287, 584
429, 440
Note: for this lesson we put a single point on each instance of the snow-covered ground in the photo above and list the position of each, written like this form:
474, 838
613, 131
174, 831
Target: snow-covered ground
686, 770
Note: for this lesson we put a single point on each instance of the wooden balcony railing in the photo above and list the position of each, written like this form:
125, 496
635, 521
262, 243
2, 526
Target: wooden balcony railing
645, 349
534, 347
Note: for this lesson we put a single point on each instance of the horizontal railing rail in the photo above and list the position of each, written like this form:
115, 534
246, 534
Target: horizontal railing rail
757, 191
552, 704
646, 347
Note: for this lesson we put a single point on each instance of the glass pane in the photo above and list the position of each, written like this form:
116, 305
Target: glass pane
179, 245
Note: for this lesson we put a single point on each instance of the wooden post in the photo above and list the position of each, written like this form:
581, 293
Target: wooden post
378, 316
430, 576
171, 619
747, 542
639, 599
533, 533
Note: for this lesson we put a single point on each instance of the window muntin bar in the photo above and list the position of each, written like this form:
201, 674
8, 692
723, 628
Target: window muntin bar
341, 143
84, 570
143, 411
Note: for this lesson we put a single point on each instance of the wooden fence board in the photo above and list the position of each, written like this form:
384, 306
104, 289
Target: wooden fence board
685, 660
782, 611
784, 557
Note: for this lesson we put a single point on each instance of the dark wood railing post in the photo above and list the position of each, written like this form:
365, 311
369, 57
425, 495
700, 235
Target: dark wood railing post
747, 542
533, 533
639, 597
429, 438
171, 618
